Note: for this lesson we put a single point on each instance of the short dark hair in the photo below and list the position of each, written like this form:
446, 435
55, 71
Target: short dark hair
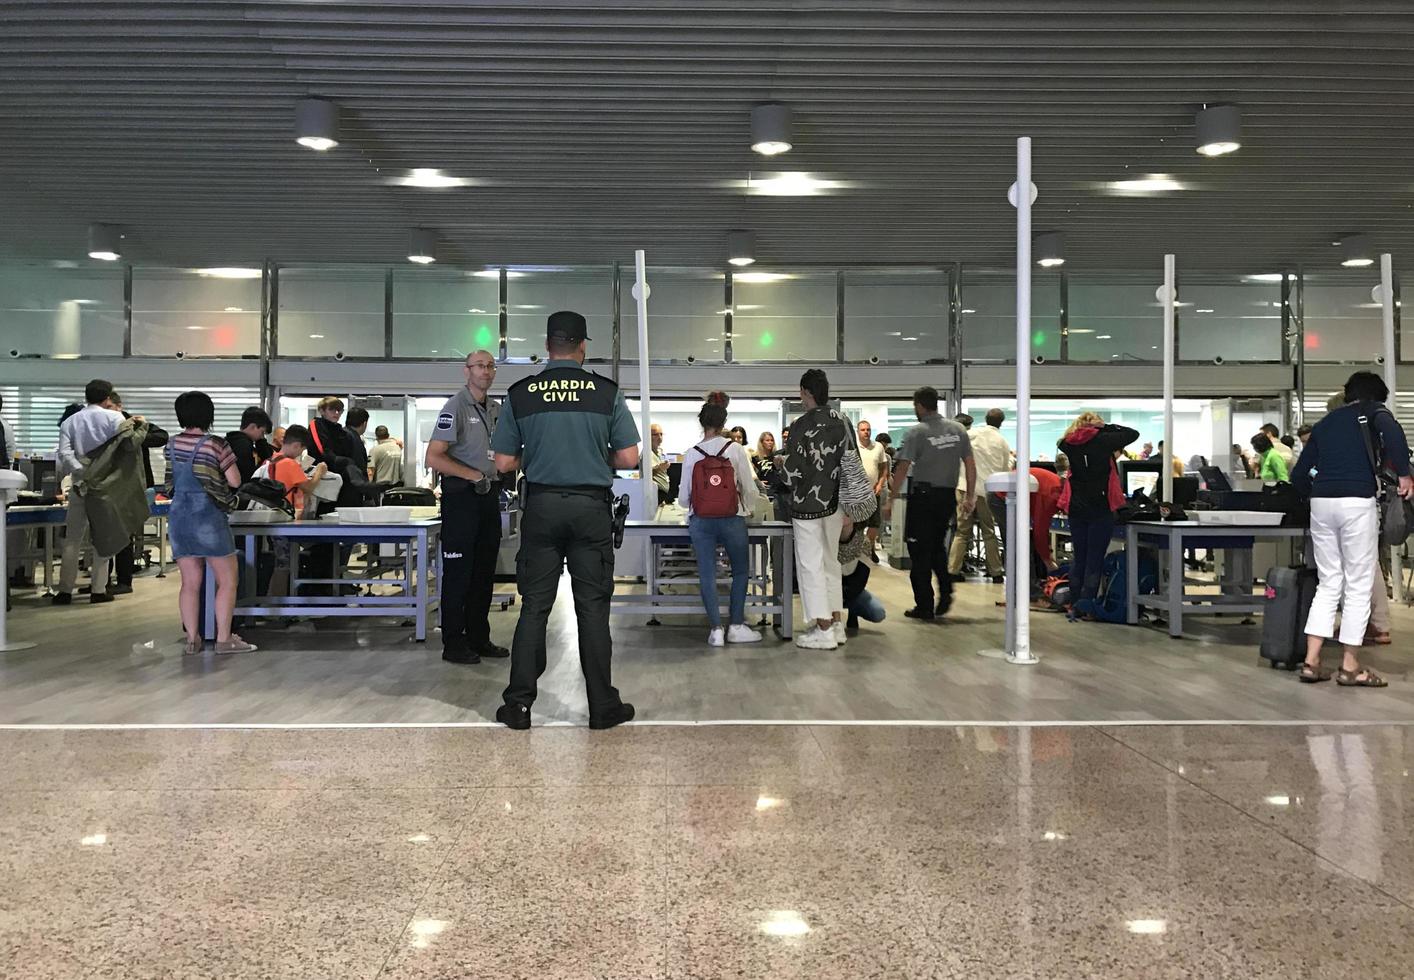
255, 415
1304, 430
1270, 429
927, 396
97, 391
1289, 442
883, 437
995, 418
1365, 386
356, 417
815, 382
711, 416
296, 433
561, 346
1262, 442
195, 410
963, 419
381, 432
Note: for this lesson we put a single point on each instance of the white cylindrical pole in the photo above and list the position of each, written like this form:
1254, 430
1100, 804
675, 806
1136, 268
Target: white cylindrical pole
1019, 553
1396, 566
645, 463
1170, 295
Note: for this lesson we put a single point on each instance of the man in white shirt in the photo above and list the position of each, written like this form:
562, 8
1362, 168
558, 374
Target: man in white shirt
876, 467
79, 435
992, 455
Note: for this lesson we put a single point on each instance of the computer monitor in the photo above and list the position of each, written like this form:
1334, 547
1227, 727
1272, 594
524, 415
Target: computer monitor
1185, 491
1140, 474
1043, 464
1215, 479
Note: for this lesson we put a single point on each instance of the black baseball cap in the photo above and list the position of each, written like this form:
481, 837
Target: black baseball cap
566, 325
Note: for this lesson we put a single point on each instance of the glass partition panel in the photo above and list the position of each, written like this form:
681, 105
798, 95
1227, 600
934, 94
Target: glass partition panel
61, 312
678, 419
1115, 316
533, 294
686, 315
1050, 417
328, 310
1237, 318
446, 312
896, 315
783, 315
1343, 321
988, 315
210, 315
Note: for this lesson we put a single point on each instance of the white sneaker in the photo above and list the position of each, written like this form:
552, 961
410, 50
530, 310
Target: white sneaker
714, 638
840, 636
741, 633
816, 639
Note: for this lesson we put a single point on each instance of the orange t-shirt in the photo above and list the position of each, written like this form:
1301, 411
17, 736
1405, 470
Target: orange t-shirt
289, 472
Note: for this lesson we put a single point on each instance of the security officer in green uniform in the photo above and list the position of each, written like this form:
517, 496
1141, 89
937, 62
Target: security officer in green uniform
568, 429
460, 450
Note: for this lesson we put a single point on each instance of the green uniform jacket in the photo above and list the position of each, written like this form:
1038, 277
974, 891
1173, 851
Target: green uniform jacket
113, 489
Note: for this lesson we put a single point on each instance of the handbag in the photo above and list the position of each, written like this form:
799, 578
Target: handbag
857, 498
1396, 513
214, 482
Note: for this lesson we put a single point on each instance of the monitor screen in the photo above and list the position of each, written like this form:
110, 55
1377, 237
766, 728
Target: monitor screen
1148, 482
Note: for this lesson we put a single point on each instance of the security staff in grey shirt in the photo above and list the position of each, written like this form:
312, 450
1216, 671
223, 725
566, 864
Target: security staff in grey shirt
931, 453
460, 452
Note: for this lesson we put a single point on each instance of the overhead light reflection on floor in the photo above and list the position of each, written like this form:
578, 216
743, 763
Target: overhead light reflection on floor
419, 839
1147, 927
424, 929
767, 803
93, 840
1054, 835
784, 922
1278, 800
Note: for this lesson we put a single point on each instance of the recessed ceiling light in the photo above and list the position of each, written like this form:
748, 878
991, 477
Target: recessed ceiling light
316, 124
1202, 311
1152, 184
759, 277
1103, 336
1076, 330
105, 242
741, 247
969, 311
910, 338
422, 259
476, 310
229, 272
793, 183
316, 336
1267, 277
771, 129
1218, 130
496, 274
1357, 263
430, 177
234, 309
195, 326
1050, 263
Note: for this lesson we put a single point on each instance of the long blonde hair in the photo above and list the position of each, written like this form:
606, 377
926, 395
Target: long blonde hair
759, 439
1085, 420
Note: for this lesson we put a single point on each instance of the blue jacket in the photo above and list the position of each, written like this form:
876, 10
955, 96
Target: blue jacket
1335, 463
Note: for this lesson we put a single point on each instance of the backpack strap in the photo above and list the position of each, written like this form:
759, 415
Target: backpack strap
314, 434
724, 449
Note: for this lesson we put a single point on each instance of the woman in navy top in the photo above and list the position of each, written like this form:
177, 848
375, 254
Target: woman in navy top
1335, 472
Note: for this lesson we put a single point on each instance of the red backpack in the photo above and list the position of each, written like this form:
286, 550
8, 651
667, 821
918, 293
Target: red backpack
714, 485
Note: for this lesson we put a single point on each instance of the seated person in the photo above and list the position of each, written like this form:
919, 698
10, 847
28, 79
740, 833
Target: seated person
854, 576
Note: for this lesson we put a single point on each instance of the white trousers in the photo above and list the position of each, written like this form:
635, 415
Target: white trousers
817, 565
1344, 535
76, 535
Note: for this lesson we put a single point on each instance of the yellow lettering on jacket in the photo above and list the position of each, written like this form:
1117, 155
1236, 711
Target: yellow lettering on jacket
560, 396
562, 384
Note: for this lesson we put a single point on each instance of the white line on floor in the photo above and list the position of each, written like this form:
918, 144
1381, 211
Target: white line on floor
885, 723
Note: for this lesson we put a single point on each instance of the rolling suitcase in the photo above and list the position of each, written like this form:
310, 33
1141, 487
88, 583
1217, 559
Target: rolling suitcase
1289, 595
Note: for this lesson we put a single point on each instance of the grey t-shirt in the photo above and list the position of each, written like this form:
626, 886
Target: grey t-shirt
935, 449
468, 427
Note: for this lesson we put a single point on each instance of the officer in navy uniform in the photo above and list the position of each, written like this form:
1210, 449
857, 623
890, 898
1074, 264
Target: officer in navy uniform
460, 450
568, 429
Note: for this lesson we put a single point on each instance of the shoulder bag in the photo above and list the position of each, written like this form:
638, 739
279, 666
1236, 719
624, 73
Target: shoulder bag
213, 481
857, 497
1396, 513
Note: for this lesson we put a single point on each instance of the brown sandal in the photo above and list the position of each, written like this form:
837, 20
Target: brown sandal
1314, 675
1360, 677
1376, 638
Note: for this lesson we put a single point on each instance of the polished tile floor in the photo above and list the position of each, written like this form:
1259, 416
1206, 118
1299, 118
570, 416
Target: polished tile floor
123, 663
709, 851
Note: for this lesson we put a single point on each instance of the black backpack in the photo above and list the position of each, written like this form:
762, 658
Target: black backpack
264, 492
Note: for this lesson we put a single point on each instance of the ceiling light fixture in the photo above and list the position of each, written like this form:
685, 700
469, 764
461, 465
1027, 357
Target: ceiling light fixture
430, 177
496, 274
1355, 251
1049, 249
791, 183
759, 278
105, 242
1152, 184
423, 248
770, 129
1218, 129
316, 124
229, 272
741, 247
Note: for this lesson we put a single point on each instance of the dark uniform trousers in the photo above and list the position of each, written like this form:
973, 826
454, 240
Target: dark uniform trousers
559, 528
471, 542
930, 511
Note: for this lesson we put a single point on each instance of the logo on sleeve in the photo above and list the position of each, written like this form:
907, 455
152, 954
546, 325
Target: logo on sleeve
445, 420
